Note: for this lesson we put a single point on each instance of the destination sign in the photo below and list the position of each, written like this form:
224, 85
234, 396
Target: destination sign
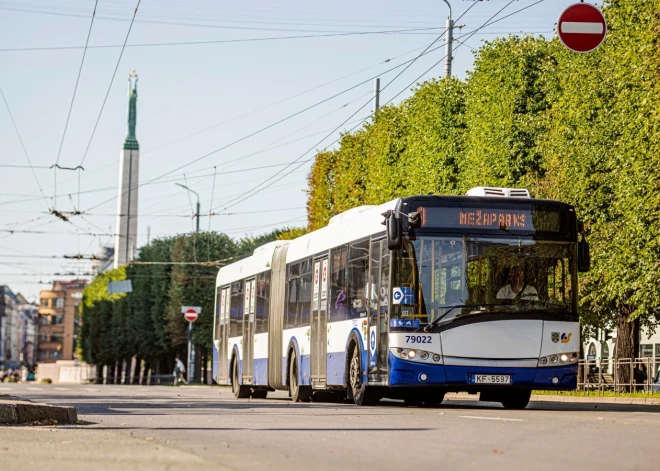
526, 219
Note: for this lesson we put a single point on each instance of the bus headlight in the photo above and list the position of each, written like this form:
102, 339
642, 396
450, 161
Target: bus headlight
558, 359
412, 353
436, 357
424, 355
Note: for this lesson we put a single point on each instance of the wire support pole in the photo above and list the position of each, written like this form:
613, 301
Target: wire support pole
449, 39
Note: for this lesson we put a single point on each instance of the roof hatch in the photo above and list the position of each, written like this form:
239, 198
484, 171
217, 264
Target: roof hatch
499, 192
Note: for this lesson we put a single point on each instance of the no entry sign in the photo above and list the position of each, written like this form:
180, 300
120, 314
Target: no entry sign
191, 313
582, 27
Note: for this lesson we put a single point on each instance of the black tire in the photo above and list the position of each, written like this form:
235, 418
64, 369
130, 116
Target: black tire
259, 394
297, 392
516, 399
240, 392
361, 393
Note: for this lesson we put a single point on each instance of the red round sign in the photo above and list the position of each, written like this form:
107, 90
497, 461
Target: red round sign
191, 315
582, 27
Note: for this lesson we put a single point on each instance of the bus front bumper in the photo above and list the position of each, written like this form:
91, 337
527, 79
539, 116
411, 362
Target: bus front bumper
410, 373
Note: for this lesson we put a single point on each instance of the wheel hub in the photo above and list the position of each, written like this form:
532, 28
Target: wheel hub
355, 372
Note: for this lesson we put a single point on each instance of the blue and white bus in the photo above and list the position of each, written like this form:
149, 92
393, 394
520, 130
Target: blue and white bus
409, 300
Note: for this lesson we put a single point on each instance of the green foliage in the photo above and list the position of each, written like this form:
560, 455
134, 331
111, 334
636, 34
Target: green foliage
169, 273
581, 128
293, 233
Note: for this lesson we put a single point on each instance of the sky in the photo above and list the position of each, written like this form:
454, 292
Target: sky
217, 92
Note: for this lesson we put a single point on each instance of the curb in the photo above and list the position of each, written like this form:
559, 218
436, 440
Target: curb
18, 411
651, 401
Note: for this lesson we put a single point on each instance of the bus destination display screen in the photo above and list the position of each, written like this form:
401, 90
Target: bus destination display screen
525, 219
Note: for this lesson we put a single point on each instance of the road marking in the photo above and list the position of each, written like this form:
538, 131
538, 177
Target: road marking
4, 388
491, 418
33, 389
581, 28
62, 389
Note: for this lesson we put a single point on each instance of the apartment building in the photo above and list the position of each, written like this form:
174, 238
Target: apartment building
59, 319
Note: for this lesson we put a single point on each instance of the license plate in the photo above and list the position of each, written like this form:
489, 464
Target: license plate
492, 379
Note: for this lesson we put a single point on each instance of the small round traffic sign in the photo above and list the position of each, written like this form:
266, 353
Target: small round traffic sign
191, 315
582, 27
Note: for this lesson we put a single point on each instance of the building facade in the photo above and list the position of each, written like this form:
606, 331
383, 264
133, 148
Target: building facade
602, 347
18, 329
59, 319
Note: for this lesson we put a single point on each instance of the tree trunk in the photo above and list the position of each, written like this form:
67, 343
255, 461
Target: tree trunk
580, 379
627, 344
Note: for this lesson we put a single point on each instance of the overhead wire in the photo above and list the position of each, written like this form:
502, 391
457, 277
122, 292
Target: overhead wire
73, 98
105, 99
20, 139
249, 192
257, 190
269, 126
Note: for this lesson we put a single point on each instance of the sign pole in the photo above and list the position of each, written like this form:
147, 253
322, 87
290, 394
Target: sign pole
191, 355
191, 313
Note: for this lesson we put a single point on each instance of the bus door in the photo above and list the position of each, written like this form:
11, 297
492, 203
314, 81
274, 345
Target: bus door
319, 323
248, 332
222, 336
379, 274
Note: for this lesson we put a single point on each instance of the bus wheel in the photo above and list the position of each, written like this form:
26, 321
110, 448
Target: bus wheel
298, 393
259, 394
362, 394
516, 399
240, 392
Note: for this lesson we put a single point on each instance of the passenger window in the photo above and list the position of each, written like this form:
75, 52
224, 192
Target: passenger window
338, 295
292, 295
236, 314
263, 302
305, 299
358, 269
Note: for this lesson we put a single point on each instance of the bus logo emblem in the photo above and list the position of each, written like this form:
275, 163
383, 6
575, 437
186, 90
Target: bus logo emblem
555, 337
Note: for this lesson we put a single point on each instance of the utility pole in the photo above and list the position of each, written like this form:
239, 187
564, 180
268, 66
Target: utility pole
449, 38
191, 347
376, 95
197, 195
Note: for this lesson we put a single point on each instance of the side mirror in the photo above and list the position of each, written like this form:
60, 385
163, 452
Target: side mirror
414, 220
584, 256
393, 230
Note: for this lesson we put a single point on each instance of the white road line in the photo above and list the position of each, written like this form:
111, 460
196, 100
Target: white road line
581, 28
4, 388
503, 419
62, 389
33, 389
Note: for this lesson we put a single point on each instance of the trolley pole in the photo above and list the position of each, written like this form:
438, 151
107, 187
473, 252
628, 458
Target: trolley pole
449, 38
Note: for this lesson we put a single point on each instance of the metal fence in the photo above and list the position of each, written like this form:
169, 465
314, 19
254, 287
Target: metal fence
619, 375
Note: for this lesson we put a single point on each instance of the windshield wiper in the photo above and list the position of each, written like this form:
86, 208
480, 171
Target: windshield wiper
450, 308
437, 320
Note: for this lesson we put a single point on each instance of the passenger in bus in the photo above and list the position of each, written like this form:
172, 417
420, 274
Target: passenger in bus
517, 288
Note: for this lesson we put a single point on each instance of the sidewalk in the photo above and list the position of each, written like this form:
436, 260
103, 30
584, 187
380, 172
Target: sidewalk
649, 401
14, 410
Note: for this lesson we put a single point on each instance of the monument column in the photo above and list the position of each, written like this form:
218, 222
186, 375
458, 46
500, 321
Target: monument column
129, 166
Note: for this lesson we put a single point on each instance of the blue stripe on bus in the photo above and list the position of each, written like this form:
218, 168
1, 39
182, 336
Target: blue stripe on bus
215, 363
335, 366
260, 376
407, 373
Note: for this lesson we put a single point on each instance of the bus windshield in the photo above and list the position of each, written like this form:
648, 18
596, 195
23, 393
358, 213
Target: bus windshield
456, 277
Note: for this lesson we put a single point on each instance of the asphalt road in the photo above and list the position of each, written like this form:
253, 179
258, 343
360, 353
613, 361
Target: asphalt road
132, 427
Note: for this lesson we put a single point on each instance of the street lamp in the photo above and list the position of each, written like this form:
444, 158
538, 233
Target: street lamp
449, 38
197, 195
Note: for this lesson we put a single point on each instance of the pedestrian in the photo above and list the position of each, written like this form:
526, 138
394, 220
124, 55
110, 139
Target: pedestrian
179, 370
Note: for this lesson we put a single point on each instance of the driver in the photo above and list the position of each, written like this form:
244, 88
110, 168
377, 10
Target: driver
516, 288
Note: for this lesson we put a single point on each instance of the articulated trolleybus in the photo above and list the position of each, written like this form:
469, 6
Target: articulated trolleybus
409, 300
